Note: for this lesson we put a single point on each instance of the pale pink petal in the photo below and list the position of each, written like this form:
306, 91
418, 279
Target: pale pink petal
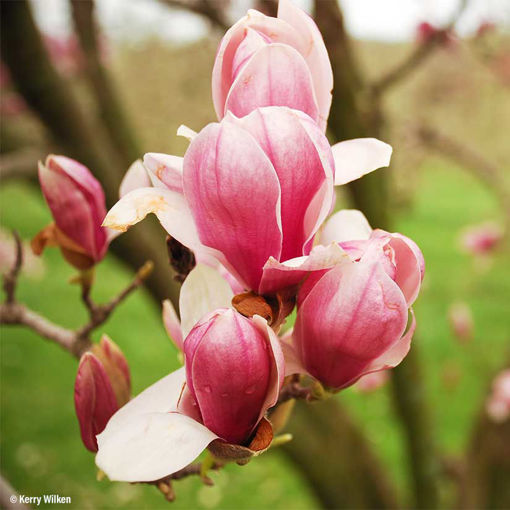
203, 291
281, 275
355, 158
278, 366
170, 207
251, 43
316, 56
416, 250
235, 197
151, 446
345, 225
276, 75
167, 168
135, 177
293, 364
172, 323
299, 153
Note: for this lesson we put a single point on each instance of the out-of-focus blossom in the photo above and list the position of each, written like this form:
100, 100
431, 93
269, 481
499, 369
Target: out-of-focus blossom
481, 239
372, 382
498, 403
32, 266
461, 321
234, 371
266, 61
77, 203
103, 385
254, 192
352, 318
427, 33
486, 27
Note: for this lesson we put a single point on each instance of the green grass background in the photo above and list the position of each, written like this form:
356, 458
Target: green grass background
41, 449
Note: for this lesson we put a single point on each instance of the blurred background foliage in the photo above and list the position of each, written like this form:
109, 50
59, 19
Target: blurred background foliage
433, 198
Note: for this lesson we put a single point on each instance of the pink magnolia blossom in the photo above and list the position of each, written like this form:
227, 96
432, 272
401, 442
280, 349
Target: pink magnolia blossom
461, 321
481, 239
266, 61
352, 317
77, 203
372, 382
251, 193
498, 403
168, 425
103, 385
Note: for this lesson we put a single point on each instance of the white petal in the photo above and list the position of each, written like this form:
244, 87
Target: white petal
355, 158
152, 446
203, 291
169, 206
186, 132
345, 225
135, 177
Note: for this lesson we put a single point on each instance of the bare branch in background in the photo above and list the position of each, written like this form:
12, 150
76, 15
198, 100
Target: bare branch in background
417, 57
111, 111
74, 341
483, 169
213, 10
21, 164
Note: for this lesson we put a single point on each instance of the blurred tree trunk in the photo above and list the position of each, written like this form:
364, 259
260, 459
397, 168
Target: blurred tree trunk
52, 100
355, 113
110, 110
336, 458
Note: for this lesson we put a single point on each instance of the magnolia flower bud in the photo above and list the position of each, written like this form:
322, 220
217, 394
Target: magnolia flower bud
77, 203
102, 386
228, 372
266, 61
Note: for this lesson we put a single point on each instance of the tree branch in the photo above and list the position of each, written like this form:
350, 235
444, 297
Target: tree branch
212, 10
74, 341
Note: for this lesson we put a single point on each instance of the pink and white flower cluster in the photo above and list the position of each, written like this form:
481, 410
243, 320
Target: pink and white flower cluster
252, 198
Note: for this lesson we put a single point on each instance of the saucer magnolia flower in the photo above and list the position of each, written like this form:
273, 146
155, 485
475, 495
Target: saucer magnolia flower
254, 192
498, 403
234, 371
103, 385
352, 318
461, 321
481, 239
266, 61
77, 203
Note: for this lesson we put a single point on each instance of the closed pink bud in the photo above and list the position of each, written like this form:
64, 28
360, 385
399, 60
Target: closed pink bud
102, 387
266, 61
229, 372
77, 203
353, 316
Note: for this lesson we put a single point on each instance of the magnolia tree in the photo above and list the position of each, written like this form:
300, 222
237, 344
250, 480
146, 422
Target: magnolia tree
249, 212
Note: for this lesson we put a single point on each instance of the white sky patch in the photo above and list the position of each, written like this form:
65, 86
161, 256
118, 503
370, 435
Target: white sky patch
133, 21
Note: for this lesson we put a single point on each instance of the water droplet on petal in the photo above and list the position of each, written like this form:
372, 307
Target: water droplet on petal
250, 390
207, 389
224, 395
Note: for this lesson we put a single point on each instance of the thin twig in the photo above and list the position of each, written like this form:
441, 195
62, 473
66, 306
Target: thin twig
212, 10
11, 277
74, 341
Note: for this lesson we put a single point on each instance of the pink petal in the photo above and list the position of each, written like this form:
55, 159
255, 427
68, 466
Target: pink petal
345, 225
235, 198
167, 168
417, 252
355, 158
172, 323
152, 446
281, 275
276, 75
252, 42
278, 366
299, 153
316, 56
135, 177
203, 291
